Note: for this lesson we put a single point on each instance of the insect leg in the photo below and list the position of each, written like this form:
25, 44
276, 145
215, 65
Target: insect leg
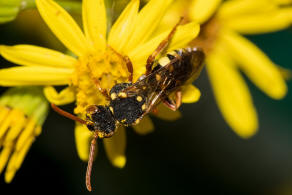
90, 162
169, 104
129, 67
173, 105
178, 98
104, 92
128, 63
163, 44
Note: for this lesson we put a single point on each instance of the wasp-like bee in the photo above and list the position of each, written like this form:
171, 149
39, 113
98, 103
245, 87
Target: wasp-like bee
130, 102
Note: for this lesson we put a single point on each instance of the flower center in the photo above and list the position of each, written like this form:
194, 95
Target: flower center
107, 67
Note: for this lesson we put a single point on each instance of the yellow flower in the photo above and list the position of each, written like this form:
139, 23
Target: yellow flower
227, 51
99, 54
22, 113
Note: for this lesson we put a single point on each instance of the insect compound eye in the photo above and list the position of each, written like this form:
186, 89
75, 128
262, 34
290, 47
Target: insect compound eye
127, 110
101, 120
91, 109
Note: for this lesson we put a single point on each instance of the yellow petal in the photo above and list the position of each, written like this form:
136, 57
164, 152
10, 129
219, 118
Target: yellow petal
283, 2
123, 27
83, 138
4, 111
26, 134
30, 55
63, 26
4, 155
190, 94
147, 21
18, 124
4, 126
16, 160
261, 23
166, 114
258, 67
145, 126
23, 151
38, 131
10, 170
202, 10
183, 35
235, 8
115, 148
34, 76
94, 22
66, 96
232, 94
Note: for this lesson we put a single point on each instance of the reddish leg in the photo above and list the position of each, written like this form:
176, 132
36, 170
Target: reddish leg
90, 161
178, 98
160, 48
128, 63
171, 104
104, 92
129, 67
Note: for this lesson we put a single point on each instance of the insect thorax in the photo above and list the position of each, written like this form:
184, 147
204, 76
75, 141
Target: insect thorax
127, 109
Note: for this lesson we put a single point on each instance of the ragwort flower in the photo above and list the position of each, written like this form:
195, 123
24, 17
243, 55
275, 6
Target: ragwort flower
99, 55
22, 113
227, 52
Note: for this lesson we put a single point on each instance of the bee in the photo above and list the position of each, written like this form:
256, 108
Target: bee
130, 102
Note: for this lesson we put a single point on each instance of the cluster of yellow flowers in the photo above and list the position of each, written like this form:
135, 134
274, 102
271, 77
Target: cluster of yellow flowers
213, 25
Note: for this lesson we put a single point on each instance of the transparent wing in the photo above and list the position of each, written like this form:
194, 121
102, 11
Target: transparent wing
154, 87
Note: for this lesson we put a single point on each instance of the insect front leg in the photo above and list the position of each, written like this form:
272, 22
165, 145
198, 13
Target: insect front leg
128, 63
130, 68
163, 44
104, 92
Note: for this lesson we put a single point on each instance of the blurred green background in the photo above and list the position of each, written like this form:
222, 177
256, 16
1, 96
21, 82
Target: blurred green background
198, 154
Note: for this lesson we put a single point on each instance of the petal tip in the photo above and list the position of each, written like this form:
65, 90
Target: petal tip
120, 161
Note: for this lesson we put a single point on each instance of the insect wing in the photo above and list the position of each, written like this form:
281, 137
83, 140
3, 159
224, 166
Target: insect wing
152, 87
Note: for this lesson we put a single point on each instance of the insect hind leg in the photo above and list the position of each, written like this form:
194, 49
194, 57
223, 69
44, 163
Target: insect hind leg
163, 44
171, 104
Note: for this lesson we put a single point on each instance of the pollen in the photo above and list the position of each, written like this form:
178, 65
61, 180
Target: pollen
107, 67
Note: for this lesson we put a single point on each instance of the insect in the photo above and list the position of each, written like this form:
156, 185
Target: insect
130, 102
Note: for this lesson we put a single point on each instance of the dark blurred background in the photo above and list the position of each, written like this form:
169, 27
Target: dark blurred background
197, 154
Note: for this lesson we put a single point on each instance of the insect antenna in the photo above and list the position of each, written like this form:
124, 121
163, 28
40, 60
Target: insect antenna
90, 161
68, 115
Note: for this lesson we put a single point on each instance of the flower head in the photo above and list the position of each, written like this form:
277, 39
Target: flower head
222, 24
100, 57
22, 112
